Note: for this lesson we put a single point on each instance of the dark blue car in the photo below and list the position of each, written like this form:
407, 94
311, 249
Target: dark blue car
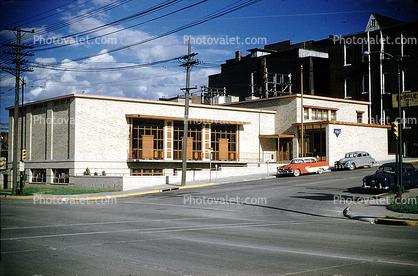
385, 177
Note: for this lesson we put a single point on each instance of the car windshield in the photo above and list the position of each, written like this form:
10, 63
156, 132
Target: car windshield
386, 169
297, 161
348, 155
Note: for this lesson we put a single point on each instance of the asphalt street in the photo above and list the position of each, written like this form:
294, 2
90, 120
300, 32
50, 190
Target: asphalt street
283, 226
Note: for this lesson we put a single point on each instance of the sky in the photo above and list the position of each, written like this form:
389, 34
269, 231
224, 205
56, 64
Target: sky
130, 48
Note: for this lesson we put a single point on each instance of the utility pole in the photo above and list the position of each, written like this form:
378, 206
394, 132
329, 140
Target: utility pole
22, 147
19, 62
188, 64
400, 125
301, 110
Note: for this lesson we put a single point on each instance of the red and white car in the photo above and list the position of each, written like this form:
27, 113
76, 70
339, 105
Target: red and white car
304, 165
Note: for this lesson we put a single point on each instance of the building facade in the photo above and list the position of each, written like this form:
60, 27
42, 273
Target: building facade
64, 136
331, 127
129, 141
374, 66
363, 66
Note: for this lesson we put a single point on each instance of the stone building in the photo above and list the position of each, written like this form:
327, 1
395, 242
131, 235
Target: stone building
129, 143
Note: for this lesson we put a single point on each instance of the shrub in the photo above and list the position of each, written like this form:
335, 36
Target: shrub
87, 172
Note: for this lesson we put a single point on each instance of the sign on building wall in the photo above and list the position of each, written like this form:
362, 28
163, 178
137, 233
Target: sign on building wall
3, 163
407, 99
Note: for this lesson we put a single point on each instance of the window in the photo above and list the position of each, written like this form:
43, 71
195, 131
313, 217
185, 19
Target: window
306, 113
347, 88
319, 114
409, 118
409, 168
333, 115
405, 81
364, 48
147, 139
365, 84
39, 175
404, 44
373, 23
194, 142
347, 55
224, 142
146, 172
386, 83
61, 176
360, 117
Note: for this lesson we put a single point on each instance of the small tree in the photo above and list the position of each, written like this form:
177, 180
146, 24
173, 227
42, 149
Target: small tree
95, 173
103, 173
87, 172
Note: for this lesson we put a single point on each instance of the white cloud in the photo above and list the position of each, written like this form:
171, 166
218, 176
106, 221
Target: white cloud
163, 80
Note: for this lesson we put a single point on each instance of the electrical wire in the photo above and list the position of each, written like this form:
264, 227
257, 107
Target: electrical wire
120, 30
106, 68
221, 12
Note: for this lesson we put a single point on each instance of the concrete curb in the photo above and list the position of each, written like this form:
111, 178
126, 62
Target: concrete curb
84, 198
366, 219
396, 221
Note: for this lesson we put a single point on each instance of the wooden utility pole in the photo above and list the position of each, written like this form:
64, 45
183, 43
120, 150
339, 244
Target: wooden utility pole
189, 63
18, 47
301, 110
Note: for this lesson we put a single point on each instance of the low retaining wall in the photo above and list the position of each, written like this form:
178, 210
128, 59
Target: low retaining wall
99, 182
126, 183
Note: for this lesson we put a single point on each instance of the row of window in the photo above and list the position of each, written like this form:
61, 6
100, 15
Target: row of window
405, 84
60, 175
403, 41
319, 114
147, 141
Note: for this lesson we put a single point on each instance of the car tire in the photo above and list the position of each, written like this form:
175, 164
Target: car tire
352, 166
320, 171
296, 172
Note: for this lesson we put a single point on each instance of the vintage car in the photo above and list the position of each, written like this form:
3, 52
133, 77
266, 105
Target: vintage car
303, 165
355, 159
385, 177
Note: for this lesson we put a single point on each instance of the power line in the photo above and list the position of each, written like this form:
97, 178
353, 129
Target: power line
126, 19
221, 12
105, 68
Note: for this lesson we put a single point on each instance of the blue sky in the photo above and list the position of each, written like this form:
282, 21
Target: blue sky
264, 22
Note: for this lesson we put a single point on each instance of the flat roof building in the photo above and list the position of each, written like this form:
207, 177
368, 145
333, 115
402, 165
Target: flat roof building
139, 142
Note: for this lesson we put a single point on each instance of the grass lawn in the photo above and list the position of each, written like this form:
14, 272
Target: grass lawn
407, 205
54, 191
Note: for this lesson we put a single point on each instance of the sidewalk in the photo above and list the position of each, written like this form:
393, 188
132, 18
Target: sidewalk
374, 210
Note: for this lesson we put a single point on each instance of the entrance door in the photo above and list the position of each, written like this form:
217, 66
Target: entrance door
285, 150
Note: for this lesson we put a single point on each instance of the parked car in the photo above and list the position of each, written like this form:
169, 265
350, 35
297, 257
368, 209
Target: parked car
385, 177
303, 165
355, 159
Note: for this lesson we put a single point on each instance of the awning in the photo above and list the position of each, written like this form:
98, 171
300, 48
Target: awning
277, 136
191, 120
341, 123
